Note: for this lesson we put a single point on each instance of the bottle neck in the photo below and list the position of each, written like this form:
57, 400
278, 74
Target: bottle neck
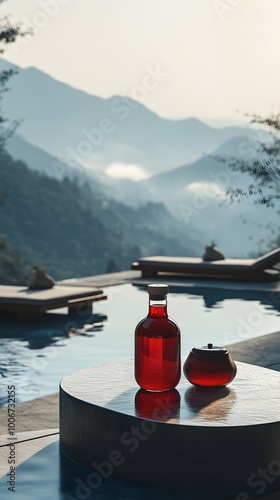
157, 308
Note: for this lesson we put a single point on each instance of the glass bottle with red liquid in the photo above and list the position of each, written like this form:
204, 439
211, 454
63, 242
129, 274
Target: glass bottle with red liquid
157, 345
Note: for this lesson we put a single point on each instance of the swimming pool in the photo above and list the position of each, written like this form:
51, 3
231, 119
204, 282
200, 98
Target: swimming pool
34, 357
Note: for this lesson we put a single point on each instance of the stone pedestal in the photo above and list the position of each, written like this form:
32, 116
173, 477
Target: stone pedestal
221, 443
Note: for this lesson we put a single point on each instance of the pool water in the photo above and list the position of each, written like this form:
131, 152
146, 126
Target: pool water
35, 356
49, 474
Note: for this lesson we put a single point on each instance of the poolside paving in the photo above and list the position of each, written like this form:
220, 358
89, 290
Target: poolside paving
39, 413
27, 444
262, 351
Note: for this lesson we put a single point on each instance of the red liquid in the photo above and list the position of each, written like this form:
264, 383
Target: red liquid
160, 406
157, 351
209, 372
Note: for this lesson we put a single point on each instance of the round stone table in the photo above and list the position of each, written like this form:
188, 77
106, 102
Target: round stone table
221, 443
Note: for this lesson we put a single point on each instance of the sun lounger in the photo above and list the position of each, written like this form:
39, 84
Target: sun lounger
261, 269
28, 303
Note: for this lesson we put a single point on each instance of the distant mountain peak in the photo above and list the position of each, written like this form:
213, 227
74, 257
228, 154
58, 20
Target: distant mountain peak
84, 129
6, 65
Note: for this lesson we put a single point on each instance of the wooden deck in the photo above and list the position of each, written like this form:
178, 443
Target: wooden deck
26, 303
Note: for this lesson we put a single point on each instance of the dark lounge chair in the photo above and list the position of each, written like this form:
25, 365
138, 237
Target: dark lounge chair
260, 269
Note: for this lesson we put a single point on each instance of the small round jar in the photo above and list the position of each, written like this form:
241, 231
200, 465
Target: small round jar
209, 366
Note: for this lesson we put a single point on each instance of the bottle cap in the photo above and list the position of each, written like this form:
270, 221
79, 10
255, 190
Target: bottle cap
158, 290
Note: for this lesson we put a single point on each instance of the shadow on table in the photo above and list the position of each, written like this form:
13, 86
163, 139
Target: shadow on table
210, 403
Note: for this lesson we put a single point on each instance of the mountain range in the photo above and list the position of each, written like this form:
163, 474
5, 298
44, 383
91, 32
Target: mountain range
68, 229
60, 136
82, 129
194, 194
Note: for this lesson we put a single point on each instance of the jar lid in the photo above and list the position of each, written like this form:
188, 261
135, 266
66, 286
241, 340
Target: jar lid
157, 290
209, 349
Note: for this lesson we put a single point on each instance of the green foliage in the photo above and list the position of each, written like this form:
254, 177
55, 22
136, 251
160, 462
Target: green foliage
12, 268
8, 34
263, 166
70, 231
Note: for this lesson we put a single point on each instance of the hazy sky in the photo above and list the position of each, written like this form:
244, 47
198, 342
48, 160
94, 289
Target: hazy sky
210, 57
